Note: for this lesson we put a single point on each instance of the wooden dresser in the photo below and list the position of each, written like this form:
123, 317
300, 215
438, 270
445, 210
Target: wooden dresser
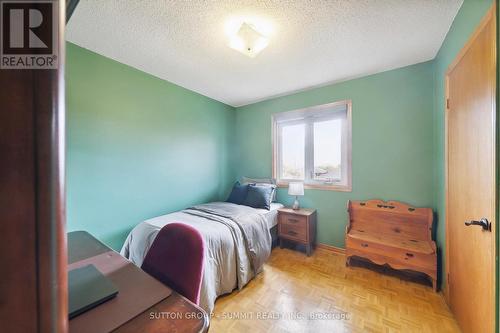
392, 233
297, 226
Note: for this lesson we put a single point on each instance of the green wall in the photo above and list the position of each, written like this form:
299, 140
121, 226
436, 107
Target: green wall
398, 134
466, 21
138, 146
392, 142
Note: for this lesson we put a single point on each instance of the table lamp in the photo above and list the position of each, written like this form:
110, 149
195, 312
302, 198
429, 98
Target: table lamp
296, 189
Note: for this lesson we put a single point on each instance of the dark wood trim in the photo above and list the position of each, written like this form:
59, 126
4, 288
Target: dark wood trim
17, 204
32, 198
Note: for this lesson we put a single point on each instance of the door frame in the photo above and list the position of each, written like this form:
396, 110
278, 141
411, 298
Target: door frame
490, 15
34, 119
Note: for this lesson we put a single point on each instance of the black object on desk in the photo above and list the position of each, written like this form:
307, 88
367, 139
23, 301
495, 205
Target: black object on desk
88, 288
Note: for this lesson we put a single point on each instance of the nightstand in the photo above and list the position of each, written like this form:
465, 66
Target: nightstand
298, 226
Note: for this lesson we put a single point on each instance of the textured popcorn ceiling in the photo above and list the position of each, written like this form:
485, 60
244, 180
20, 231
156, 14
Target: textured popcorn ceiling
312, 43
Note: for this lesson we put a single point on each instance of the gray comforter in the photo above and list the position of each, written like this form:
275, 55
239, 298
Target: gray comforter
237, 241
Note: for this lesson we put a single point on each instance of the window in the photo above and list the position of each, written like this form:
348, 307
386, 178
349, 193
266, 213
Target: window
313, 145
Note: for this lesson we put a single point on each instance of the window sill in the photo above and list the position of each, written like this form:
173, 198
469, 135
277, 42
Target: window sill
338, 188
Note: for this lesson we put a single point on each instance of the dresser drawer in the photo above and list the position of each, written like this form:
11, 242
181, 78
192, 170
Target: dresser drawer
296, 231
293, 220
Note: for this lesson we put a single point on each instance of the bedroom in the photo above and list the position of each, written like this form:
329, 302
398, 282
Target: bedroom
165, 117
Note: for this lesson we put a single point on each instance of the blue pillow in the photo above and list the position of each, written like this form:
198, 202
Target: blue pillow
238, 194
259, 196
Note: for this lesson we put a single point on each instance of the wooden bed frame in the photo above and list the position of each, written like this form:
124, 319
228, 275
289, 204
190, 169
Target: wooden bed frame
392, 233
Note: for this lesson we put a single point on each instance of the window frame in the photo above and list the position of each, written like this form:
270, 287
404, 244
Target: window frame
315, 113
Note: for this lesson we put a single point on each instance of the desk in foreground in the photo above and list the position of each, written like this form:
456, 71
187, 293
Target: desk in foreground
173, 314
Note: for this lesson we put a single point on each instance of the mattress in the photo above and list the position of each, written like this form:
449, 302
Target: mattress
271, 215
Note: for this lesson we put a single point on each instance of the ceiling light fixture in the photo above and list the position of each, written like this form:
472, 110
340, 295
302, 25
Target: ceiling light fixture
248, 40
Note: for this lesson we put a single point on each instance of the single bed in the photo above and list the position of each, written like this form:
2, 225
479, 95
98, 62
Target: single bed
271, 215
238, 241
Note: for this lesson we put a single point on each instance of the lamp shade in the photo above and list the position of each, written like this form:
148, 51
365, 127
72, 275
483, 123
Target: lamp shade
296, 188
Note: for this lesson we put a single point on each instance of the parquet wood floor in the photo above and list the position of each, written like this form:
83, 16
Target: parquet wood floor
293, 288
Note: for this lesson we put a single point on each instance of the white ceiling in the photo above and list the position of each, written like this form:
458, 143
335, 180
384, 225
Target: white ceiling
313, 42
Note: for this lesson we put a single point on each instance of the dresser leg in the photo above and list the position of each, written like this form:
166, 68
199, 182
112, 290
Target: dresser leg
308, 250
281, 242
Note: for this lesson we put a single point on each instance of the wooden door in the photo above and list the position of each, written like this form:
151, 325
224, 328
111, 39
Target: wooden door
470, 192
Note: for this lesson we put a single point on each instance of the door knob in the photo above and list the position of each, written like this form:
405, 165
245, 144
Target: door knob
484, 223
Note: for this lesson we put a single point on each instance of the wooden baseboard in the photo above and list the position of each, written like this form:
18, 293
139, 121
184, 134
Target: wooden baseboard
331, 248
